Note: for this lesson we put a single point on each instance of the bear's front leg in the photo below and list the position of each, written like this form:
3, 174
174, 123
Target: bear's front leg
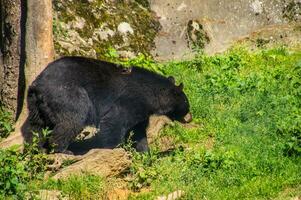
111, 134
139, 137
116, 124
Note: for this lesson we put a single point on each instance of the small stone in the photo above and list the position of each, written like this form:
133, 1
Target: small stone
182, 6
126, 54
172, 196
79, 23
257, 7
51, 195
195, 25
88, 132
125, 28
103, 34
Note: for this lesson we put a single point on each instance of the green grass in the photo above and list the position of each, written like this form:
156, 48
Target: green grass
247, 108
81, 187
18, 170
249, 104
5, 122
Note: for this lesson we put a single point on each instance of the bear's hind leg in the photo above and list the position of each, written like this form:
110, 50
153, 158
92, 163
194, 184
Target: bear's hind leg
63, 134
68, 112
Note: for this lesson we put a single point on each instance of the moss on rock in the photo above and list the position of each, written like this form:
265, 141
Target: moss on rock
292, 11
90, 27
197, 37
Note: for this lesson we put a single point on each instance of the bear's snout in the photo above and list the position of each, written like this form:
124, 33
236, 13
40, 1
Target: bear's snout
187, 118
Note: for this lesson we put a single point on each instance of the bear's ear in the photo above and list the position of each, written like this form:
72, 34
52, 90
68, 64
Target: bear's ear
172, 79
181, 86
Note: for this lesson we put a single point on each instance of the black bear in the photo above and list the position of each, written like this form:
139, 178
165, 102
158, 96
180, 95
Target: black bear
74, 92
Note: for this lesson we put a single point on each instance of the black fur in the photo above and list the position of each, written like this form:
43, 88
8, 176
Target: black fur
74, 92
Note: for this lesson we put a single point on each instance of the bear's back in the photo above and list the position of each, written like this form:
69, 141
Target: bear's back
78, 71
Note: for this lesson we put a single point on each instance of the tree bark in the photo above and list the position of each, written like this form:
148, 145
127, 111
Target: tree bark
10, 53
39, 52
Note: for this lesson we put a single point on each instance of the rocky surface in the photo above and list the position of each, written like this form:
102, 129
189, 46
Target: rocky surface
269, 36
191, 25
172, 196
156, 123
51, 195
168, 30
103, 162
93, 27
14, 139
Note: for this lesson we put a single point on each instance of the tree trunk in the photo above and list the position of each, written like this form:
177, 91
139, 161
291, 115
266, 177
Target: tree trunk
39, 52
10, 53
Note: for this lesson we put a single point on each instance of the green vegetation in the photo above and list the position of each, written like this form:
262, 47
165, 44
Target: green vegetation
247, 104
79, 187
292, 11
19, 169
197, 36
245, 144
5, 123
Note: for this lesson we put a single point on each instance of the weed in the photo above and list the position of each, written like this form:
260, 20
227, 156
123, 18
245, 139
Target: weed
86, 186
19, 168
5, 122
142, 170
141, 60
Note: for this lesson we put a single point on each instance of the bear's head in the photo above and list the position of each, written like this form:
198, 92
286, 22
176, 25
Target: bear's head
177, 103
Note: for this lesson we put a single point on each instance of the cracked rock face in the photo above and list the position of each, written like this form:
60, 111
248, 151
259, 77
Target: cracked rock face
214, 25
103, 162
168, 30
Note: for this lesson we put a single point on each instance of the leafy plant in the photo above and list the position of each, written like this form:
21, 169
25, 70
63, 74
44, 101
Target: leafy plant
139, 61
19, 168
142, 170
6, 122
144, 61
111, 54
86, 186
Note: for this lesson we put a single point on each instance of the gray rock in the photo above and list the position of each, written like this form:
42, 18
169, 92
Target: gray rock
51, 195
103, 34
103, 162
224, 22
125, 28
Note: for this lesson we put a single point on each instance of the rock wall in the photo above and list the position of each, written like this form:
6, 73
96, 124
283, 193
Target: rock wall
213, 25
170, 29
96, 28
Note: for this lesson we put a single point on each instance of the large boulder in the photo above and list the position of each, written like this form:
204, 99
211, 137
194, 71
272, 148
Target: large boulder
156, 124
103, 162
